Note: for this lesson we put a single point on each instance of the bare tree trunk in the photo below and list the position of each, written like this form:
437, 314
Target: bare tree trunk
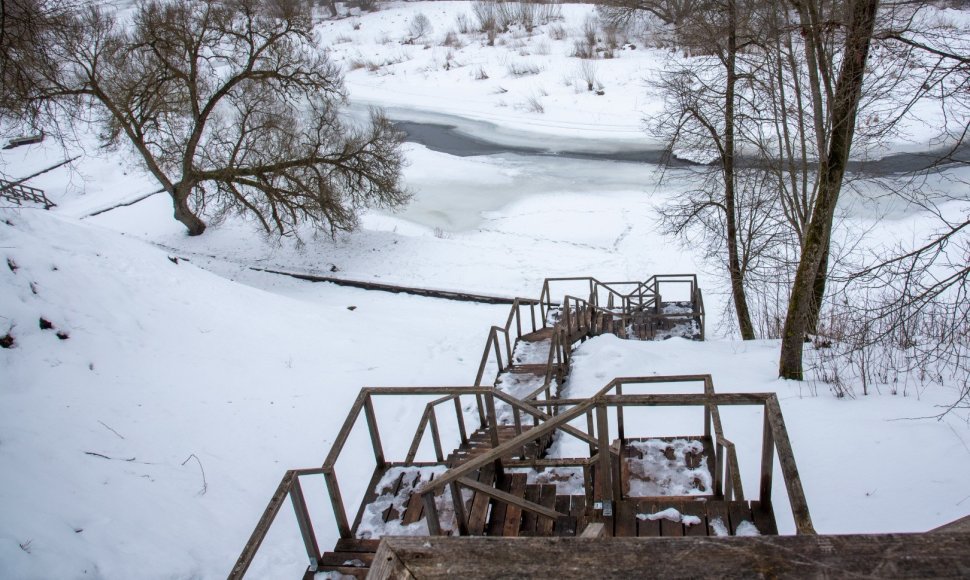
818, 292
184, 213
734, 262
848, 90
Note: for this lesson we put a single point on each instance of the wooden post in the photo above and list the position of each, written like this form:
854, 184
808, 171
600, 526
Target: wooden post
460, 516
339, 512
481, 407
436, 437
567, 315
375, 436
719, 470
418, 435
493, 433
605, 470
590, 428
431, 513
786, 458
460, 415
498, 350
767, 462
619, 415
303, 520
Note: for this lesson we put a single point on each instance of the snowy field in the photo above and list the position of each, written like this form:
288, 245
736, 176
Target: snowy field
147, 441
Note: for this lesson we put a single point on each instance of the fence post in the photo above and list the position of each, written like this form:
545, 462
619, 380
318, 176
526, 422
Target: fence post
303, 520
605, 468
375, 435
339, 512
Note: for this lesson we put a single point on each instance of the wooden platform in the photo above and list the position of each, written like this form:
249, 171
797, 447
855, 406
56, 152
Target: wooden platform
642, 457
717, 518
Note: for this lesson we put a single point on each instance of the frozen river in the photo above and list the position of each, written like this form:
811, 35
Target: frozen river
462, 169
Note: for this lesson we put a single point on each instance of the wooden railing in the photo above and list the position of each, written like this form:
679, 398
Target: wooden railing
727, 477
18, 193
501, 339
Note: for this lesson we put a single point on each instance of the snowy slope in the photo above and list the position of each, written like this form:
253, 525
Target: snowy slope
252, 373
164, 361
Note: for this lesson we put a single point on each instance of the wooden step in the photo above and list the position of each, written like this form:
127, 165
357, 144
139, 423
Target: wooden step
539, 335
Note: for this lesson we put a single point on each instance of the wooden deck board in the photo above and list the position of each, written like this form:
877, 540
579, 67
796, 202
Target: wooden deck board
645, 527
566, 525
529, 519
513, 514
547, 498
699, 509
478, 513
764, 518
496, 518
717, 510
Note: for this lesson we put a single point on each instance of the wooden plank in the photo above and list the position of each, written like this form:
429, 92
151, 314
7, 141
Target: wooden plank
577, 509
415, 507
547, 499
717, 510
647, 528
350, 559
764, 518
387, 564
478, 512
786, 458
344, 572
513, 514
509, 498
740, 512
564, 525
699, 509
528, 518
961, 525
356, 545
496, 519
802, 556
667, 527
390, 513
625, 521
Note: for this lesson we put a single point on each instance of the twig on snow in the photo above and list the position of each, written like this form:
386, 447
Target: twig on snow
92, 453
205, 485
110, 429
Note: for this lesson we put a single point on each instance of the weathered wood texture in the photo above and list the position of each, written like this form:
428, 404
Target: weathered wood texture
961, 525
867, 556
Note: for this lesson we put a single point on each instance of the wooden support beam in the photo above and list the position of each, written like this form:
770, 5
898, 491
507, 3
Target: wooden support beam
786, 458
510, 499
865, 556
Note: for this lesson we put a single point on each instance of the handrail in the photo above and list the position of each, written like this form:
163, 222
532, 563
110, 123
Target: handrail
289, 487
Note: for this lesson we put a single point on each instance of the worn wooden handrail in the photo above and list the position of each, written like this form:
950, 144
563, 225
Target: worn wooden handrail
289, 487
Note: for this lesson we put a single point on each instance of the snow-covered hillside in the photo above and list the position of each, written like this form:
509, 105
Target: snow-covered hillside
147, 441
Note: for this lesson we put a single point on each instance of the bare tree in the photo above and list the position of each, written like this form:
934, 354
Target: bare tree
861, 18
906, 317
699, 116
673, 12
231, 106
27, 28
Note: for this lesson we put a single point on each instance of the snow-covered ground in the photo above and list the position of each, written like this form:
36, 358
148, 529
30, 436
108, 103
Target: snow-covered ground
147, 442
